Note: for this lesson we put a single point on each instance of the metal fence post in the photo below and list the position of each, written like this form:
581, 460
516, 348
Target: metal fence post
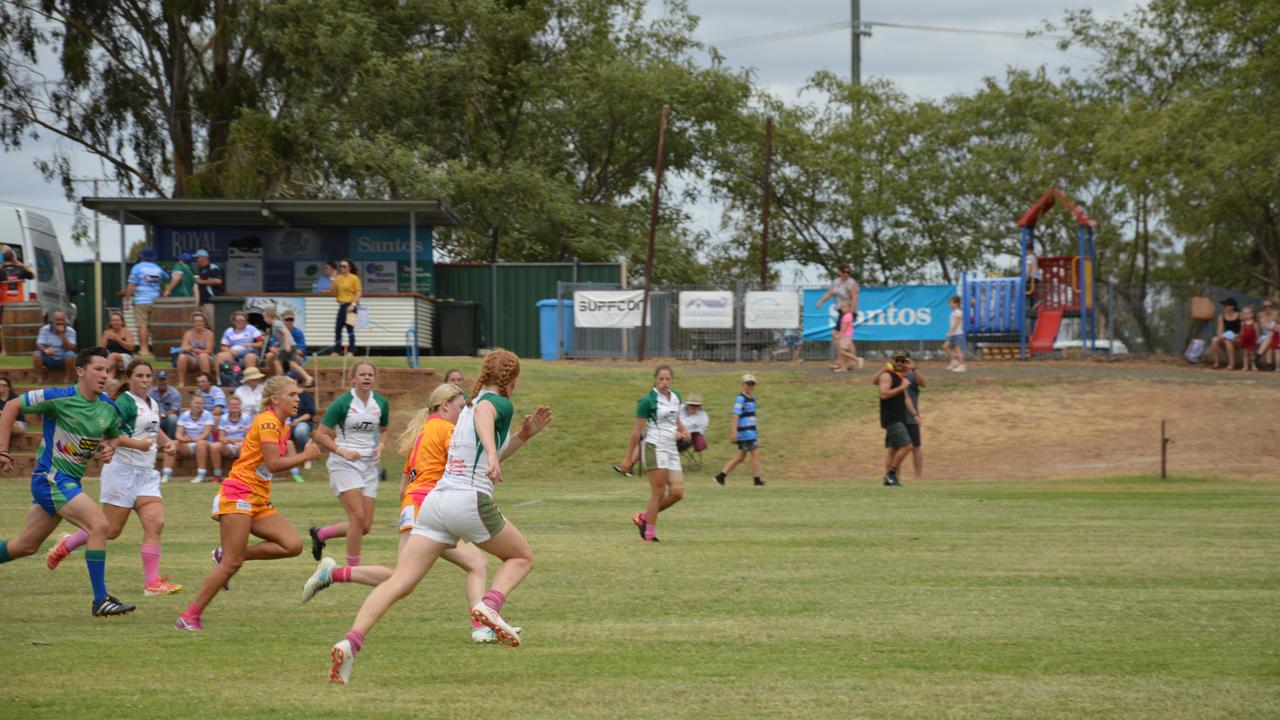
560, 316
1111, 318
740, 319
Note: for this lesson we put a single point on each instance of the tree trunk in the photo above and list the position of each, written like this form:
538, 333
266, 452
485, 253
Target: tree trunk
220, 105
180, 133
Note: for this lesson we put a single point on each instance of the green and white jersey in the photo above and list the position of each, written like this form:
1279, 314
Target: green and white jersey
661, 414
467, 467
73, 427
139, 419
356, 423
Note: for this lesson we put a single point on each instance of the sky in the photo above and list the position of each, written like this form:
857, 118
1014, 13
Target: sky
923, 64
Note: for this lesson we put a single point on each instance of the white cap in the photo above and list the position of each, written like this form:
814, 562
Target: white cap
749, 378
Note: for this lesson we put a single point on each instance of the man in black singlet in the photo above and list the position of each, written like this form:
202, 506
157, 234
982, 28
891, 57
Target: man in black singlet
895, 408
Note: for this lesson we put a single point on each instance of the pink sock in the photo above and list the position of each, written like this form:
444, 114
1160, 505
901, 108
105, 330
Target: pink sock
650, 530
353, 560
192, 612
150, 563
356, 638
326, 533
75, 540
342, 574
495, 600
475, 624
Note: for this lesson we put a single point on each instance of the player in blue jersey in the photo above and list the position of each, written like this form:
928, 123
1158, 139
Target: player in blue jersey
79, 422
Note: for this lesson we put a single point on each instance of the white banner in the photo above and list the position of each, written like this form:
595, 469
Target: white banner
608, 308
779, 310
706, 310
378, 276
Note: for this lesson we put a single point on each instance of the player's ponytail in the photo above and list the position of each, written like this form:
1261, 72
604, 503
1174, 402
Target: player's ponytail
501, 368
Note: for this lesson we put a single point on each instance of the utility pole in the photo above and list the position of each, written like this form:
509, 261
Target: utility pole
97, 258
653, 228
768, 190
855, 27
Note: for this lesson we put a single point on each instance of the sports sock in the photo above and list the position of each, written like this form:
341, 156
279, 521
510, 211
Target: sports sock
150, 563
353, 560
326, 533
4, 551
476, 624
192, 612
201, 472
75, 540
650, 530
96, 561
217, 473
494, 600
356, 638
340, 575
168, 473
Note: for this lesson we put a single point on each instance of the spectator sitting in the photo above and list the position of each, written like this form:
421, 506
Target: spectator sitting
301, 423
1228, 334
230, 433
241, 343
695, 421
118, 341
146, 282
250, 392
195, 427
170, 402
1248, 337
324, 283
55, 347
196, 351
214, 399
286, 345
6, 395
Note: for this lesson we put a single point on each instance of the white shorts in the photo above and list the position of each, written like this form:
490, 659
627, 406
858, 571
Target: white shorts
345, 475
123, 484
660, 457
449, 515
233, 447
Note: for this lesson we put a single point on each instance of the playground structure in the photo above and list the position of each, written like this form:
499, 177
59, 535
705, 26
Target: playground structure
1046, 291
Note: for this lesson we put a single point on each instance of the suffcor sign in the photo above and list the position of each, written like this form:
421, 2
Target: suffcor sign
608, 308
903, 312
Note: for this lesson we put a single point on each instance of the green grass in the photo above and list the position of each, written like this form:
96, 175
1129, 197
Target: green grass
810, 598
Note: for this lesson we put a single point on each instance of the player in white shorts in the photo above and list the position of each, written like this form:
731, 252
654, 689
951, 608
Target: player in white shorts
657, 430
353, 430
130, 481
461, 508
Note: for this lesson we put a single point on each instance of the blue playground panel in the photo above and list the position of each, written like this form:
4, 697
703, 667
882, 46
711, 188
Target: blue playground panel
991, 305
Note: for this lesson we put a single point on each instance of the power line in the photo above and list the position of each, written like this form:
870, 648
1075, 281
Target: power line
811, 30
36, 207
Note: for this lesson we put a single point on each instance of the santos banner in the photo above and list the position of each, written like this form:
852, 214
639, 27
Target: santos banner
903, 312
608, 308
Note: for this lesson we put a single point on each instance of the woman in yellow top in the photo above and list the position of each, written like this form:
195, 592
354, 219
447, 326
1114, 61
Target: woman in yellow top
243, 504
347, 290
425, 445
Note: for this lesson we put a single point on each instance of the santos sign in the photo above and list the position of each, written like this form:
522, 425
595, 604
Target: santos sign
904, 312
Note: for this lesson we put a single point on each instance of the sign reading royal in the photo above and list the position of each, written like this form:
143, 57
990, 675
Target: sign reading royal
608, 308
706, 310
903, 312
772, 310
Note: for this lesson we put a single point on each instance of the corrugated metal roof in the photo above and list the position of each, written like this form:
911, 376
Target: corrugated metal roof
272, 212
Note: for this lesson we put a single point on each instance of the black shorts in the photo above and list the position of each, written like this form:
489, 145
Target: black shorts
914, 432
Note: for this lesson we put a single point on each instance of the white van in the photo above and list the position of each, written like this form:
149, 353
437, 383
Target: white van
32, 237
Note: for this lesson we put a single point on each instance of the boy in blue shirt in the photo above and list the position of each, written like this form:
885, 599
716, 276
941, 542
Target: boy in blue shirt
745, 433
146, 283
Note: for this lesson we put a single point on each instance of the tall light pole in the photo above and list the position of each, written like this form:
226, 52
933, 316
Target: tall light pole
855, 27
97, 258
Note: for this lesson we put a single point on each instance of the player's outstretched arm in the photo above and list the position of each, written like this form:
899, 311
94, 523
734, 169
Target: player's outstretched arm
533, 424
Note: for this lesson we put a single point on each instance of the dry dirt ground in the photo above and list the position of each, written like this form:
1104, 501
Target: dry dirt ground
1062, 419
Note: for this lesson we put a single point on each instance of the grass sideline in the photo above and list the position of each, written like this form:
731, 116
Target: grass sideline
814, 598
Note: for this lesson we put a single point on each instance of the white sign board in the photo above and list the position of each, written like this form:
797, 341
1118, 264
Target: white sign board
378, 276
608, 308
710, 310
243, 275
772, 310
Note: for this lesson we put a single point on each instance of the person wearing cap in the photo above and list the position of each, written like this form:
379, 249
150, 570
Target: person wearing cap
183, 282
146, 282
250, 393
745, 433
286, 345
695, 421
209, 280
169, 400
895, 408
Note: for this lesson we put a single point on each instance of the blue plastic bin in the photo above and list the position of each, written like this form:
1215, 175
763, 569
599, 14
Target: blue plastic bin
548, 335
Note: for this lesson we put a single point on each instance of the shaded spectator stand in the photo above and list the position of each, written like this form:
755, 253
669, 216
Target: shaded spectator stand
1031, 307
273, 248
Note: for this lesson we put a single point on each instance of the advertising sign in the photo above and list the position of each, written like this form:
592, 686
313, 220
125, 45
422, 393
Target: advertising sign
901, 312
306, 273
608, 308
710, 310
244, 275
387, 243
777, 310
378, 275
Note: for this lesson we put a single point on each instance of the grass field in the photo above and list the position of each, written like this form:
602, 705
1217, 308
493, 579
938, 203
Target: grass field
822, 595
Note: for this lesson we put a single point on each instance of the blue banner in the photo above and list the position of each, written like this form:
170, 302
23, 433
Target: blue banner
902, 312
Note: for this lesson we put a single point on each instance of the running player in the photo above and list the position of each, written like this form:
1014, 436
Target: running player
425, 445
243, 503
461, 507
130, 481
658, 429
359, 420
79, 420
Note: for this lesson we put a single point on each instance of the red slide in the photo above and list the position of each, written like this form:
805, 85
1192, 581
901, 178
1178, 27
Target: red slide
1046, 331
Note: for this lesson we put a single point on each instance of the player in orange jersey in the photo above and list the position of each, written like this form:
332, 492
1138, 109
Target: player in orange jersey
243, 504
